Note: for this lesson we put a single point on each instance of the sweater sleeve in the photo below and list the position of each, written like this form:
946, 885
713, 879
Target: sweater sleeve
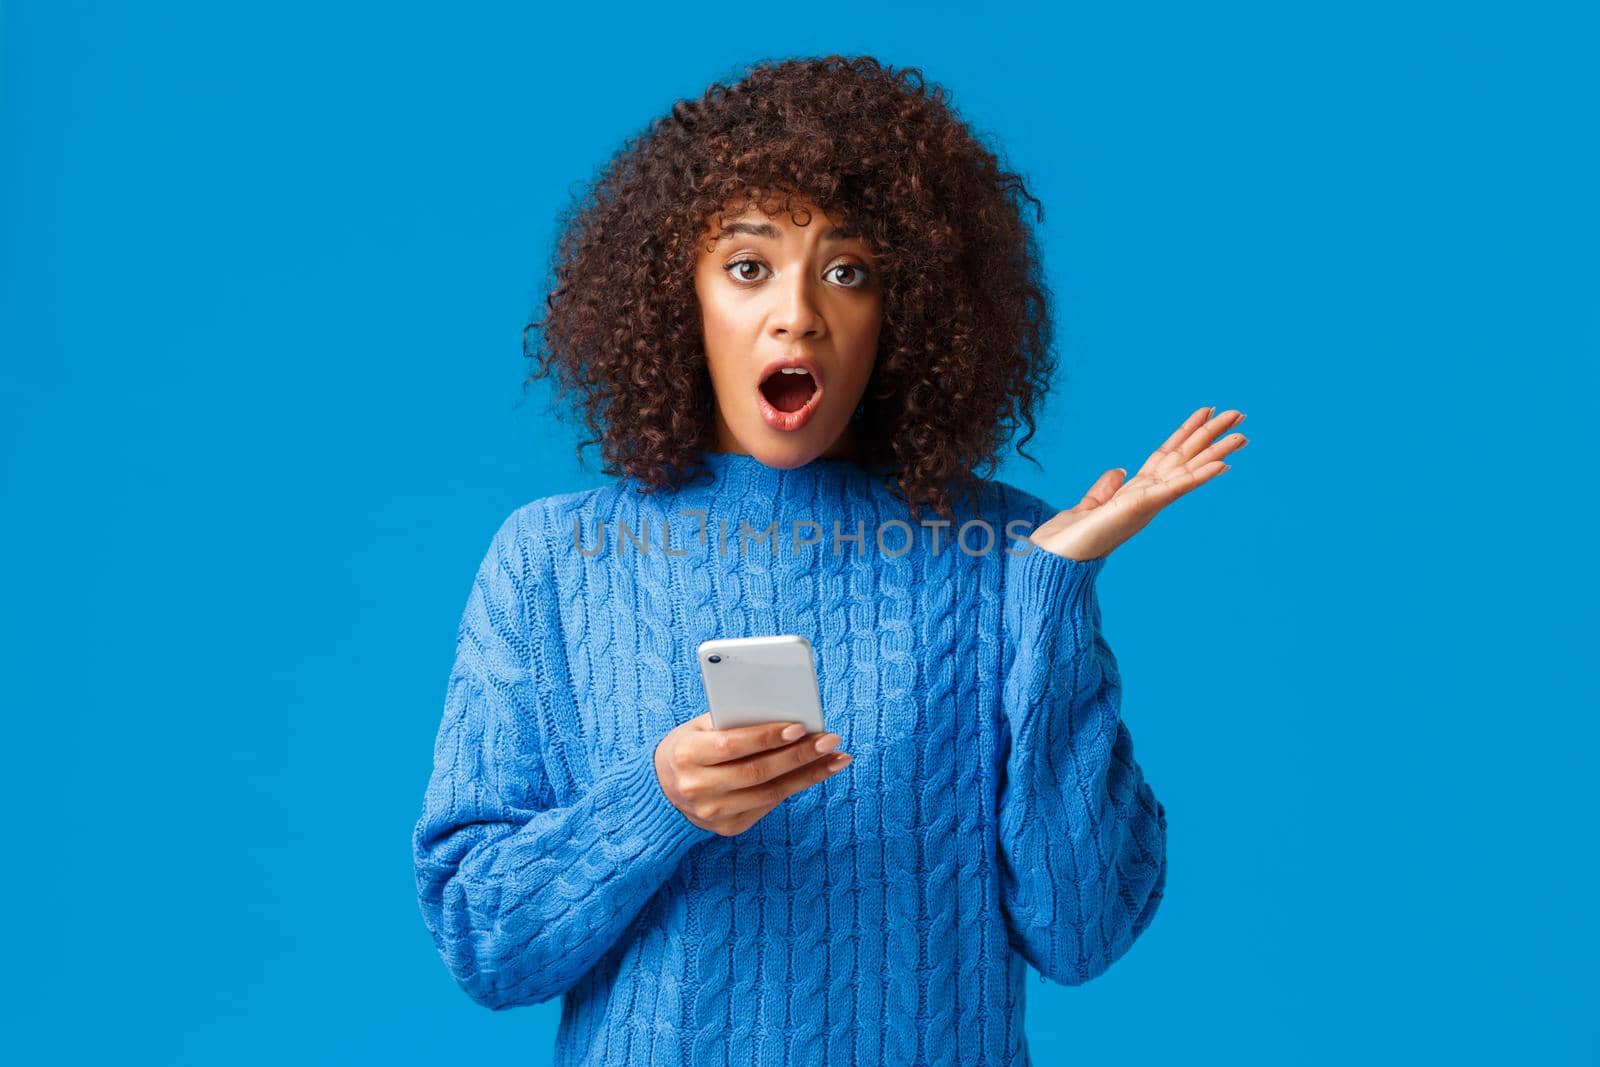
523, 896
1082, 836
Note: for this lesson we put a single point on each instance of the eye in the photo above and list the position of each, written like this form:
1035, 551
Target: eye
857, 274
736, 272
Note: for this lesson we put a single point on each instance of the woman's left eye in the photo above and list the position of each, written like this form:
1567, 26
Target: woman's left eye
859, 274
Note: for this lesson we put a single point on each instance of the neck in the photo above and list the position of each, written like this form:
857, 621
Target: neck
845, 447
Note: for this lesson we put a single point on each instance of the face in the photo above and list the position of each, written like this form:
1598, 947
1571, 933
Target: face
776, 294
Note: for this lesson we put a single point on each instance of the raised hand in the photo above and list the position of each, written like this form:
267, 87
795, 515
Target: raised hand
1113, 510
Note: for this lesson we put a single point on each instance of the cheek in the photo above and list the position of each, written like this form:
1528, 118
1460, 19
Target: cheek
714, 327
865, 332
861, 373
723, 340
866, 323
723, 319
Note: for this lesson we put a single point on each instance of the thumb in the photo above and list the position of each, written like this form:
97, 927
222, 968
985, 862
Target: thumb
1104, 488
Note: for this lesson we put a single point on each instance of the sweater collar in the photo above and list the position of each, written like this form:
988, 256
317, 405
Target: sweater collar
735, 482
730, 469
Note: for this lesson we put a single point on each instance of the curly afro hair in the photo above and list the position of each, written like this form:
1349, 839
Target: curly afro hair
964, 347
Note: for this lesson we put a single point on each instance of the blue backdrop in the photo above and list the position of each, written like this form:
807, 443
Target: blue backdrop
265, 269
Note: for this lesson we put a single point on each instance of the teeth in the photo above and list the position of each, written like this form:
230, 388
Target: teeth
794, 370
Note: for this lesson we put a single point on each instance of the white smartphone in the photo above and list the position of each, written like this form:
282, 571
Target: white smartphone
751, 680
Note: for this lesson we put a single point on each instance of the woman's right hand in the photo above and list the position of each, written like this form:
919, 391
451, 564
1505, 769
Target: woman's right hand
726, 780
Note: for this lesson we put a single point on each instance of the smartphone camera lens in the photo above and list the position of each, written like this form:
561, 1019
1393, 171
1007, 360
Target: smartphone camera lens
714, 659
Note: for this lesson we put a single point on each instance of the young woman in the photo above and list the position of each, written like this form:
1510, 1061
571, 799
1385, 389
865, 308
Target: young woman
800, 313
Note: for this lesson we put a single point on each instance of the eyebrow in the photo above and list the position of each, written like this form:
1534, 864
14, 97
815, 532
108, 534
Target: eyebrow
767, 229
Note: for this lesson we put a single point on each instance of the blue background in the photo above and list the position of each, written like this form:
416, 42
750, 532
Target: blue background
265, 269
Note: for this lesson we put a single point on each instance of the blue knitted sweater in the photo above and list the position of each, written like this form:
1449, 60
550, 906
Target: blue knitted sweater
993, 814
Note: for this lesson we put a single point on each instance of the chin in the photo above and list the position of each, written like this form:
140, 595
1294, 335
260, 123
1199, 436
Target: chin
777, 448
784, 455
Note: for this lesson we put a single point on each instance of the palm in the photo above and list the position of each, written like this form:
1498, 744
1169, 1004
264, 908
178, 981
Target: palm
1113, 510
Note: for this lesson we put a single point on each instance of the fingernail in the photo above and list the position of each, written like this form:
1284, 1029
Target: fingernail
1241, 419
827, 744
840, 761
793, 732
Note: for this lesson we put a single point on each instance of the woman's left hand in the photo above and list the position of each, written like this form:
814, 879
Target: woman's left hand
1111, 512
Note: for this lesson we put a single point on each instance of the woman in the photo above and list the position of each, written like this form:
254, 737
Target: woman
800, 313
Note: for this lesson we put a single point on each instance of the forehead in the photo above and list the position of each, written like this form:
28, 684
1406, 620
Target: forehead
754, 222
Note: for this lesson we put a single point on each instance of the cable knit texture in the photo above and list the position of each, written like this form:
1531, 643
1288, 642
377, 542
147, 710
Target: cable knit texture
993, 816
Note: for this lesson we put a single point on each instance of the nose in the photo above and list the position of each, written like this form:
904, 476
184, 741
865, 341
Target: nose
798, 314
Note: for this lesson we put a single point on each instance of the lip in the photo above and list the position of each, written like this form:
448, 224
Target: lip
789, 421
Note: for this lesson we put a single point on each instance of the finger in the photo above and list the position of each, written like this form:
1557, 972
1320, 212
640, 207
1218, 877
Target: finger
765, 766
711, 747
1104, 488
1204, 435
772, 793
1179, 435
1229, 444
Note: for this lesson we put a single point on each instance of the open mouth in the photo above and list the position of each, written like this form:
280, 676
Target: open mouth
789, 396
789, 389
